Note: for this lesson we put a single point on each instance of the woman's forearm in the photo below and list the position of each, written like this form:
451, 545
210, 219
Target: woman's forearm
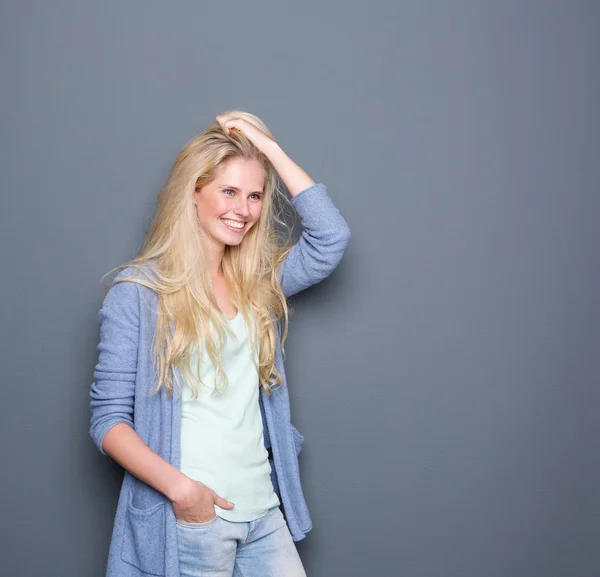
294, 177
126, 447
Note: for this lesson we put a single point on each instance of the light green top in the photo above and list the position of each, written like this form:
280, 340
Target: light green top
222, 443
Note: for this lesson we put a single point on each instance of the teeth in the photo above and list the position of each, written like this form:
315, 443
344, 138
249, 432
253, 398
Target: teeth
233, 223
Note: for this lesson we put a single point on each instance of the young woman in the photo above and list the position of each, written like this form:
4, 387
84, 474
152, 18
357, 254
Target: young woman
211, 484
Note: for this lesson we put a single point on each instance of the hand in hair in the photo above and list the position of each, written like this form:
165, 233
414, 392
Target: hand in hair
294, 178
261, 140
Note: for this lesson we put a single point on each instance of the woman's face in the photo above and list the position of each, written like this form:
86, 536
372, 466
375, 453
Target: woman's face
228, 207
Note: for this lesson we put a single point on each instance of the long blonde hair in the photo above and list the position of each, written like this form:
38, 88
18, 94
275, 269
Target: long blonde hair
187, 308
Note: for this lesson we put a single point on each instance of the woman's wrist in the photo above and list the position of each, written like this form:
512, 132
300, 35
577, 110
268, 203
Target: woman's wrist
180, 488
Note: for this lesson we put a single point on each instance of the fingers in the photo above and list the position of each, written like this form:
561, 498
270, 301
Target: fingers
223, 503
259, 138
222, 121
227, 125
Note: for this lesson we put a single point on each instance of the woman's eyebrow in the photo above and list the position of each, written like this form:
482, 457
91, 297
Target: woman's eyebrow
238, 190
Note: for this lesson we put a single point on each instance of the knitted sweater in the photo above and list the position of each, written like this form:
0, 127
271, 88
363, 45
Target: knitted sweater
144, 536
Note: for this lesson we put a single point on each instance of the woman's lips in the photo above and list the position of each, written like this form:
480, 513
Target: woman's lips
233, 229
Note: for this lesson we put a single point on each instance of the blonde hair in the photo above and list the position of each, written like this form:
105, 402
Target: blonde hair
187, 308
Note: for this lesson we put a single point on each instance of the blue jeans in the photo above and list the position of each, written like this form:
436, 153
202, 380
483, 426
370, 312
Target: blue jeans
221, 548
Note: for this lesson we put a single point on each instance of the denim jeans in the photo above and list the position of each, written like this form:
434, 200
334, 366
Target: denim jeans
221, 548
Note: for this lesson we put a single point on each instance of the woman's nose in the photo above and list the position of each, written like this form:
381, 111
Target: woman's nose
241, 207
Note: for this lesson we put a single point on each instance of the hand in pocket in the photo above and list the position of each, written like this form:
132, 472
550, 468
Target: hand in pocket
197, 503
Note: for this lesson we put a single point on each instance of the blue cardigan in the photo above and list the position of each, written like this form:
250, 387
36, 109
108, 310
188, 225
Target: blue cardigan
144, 537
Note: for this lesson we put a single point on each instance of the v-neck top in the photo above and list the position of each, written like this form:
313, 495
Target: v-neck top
222, 437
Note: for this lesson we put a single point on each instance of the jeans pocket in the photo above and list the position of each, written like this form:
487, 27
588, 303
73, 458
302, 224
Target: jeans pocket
191, 525
144, 538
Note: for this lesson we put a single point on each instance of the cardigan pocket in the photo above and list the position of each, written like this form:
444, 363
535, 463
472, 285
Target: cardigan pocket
298, 440
144, 538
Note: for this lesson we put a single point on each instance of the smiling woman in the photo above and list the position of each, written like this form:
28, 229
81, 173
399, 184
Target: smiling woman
237, 206
204, 309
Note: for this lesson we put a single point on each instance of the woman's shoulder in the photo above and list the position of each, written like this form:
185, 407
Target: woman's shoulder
132, 280
138, 271
136, 275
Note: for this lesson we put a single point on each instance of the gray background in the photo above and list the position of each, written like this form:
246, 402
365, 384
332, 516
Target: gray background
445, 376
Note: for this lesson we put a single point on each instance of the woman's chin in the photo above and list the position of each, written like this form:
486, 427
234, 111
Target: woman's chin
232, 240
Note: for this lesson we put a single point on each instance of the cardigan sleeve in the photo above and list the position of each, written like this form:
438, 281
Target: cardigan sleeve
112, 392
321, 246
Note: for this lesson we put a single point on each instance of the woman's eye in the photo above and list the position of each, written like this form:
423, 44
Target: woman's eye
256, 196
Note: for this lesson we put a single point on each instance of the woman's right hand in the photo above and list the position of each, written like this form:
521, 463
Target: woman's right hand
196, 503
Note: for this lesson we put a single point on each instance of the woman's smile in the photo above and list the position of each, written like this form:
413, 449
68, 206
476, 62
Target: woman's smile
234, 225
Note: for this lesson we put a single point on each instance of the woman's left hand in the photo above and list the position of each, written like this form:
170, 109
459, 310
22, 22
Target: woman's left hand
294, 178
256, 136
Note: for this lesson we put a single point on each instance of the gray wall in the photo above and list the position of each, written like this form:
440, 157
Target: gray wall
445, 376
